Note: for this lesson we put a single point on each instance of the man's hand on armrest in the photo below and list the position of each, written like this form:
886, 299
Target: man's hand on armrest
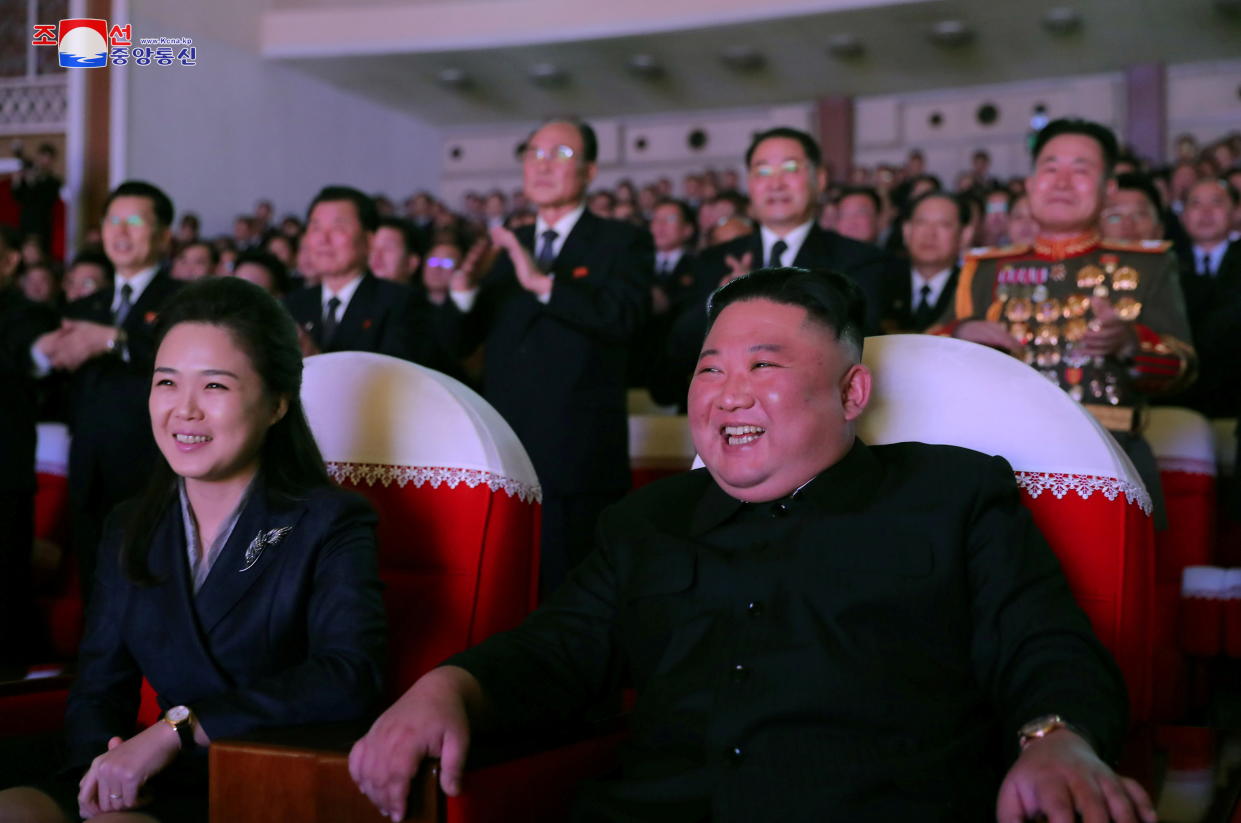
432, 719
987, 333
1060, 776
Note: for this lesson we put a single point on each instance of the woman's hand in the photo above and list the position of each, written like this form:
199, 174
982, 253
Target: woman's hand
115, 778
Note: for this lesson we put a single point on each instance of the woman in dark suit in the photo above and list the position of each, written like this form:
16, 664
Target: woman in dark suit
242, 585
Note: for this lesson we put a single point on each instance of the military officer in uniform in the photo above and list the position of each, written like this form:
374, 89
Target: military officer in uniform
1104, 320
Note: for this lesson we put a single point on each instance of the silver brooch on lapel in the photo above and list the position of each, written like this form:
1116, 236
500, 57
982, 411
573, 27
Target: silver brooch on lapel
261, 541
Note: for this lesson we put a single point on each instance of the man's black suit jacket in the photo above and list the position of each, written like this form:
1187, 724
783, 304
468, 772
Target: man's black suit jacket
899, 303
21, 323
556, 371
866, 265
296, 637
382, 316
1217, 391
112, 450
863, 650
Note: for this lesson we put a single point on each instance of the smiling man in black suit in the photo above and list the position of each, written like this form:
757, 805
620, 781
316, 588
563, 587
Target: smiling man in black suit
557, 314
934, 231
352, 309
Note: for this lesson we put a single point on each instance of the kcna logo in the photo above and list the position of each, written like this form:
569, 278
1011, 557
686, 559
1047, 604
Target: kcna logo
83, 42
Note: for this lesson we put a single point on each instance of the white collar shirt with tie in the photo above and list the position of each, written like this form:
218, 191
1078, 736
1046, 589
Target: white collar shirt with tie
793, 242
666, 261
1209, 261
344, 296
936, 282
562, 227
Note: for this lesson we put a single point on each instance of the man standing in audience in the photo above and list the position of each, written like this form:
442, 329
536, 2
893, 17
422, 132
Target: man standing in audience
21, 322
1104, 320
1210, 278
396, 250
815, 628
108, 342
195, 261
351, 309
672, 228
785, 179
934, 235
557, 314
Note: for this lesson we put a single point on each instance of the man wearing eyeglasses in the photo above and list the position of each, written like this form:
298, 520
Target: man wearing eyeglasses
785, 176
557, 313
107, 343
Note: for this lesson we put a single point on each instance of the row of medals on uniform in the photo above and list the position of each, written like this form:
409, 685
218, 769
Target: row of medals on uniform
1051, 328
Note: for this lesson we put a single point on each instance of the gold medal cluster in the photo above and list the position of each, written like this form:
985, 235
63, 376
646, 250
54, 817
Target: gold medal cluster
1051, 328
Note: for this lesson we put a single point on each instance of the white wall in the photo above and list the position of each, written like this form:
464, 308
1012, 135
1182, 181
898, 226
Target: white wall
219, 135
1204, 99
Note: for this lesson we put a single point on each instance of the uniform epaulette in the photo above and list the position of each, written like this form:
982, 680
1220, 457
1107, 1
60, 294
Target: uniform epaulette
1148, 246
991, 252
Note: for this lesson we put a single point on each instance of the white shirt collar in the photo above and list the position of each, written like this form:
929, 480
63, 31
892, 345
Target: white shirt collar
668, 259
137, 285
1216, 256
344, 296
562, 227
793, 240
937, 284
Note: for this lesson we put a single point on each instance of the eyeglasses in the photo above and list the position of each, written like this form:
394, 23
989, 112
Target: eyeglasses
787, 167
441, 263
1115, 217
132, 220
558, 153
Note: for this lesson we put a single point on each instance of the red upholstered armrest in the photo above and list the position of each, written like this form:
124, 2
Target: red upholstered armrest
304, 775
33, 706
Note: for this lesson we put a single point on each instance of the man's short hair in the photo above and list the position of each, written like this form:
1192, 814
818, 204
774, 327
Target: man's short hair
92, 257
411, 235
687, 211
830, 299
963, 210
261, 257
866, 191
1225, 184
1132, 181
1071, 125
368, 215
161, 203
212, 252
808, 143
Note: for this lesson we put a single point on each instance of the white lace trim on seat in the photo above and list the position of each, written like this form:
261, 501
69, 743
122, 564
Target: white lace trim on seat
1187, 465
372, 473
1035, 483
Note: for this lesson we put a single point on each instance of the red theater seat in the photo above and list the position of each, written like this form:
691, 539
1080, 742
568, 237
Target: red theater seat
457, 498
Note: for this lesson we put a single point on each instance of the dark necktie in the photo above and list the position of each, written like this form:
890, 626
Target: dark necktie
1205, 268
122, 309
330, 321
663, 270
547, 253
778, 248
924, 313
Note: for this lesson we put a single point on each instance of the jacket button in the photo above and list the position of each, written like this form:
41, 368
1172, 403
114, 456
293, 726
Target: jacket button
780, 509
740, 672
754, 608
734, 755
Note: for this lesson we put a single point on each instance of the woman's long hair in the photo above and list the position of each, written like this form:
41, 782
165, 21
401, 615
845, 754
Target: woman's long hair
289, 458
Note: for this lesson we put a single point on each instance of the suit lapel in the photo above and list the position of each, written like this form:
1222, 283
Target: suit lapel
234, 573
145, 311
812, 249
576, 248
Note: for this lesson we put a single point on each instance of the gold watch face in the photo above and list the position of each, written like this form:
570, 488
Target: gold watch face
178, 714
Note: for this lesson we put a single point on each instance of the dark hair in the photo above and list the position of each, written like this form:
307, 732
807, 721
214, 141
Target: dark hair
963, 210
411, 235
687, 213
603, 193
10, 237
866, 191
93, 257
211, 250
289, 458
808, 144
590, 142
829, 298
161, 204
1132, 181
368, 216
1224, 183
262, 257
1096, 132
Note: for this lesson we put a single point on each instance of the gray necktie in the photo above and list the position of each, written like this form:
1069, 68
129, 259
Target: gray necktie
122, 309
547, 253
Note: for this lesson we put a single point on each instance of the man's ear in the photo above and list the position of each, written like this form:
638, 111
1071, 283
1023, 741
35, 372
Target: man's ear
855, 391
282, 408
589, 170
